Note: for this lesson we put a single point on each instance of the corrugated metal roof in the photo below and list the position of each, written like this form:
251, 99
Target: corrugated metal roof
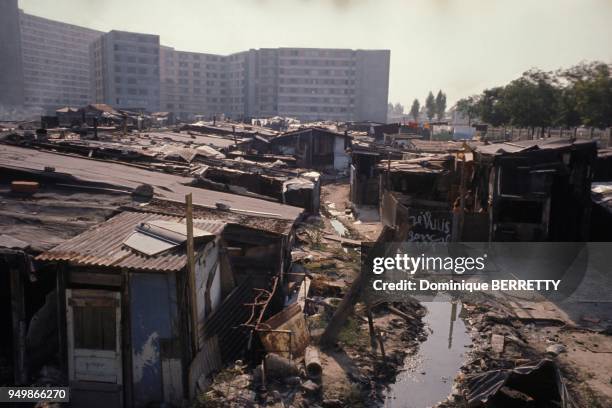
103, 245
309, 130
527, 145
167, 186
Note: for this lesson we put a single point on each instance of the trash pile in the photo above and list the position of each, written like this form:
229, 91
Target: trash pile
505, 370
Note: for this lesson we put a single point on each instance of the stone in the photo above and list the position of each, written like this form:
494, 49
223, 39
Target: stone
555, 349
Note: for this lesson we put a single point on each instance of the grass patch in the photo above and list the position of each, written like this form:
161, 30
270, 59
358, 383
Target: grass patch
352, 334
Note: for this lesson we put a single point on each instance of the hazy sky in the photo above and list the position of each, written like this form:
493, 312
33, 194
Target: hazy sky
460, 46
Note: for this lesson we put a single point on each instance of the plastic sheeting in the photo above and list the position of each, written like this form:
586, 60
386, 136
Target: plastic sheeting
542, 382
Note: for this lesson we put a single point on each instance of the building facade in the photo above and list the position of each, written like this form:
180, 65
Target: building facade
303, 83
56, 70
50, 64
125, 69
192, 83
11, 69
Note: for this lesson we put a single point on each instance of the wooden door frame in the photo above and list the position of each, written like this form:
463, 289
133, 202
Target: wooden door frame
95, 295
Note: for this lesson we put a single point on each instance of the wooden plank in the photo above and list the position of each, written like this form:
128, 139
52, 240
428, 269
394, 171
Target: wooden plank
343, 241
303, 293
172, 383
92, 278
99, 302
192, 272
126, 336
62, 328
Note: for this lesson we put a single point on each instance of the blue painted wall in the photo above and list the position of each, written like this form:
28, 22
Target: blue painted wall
153, 312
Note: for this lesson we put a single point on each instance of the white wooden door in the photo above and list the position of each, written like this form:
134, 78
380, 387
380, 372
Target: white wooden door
93, 326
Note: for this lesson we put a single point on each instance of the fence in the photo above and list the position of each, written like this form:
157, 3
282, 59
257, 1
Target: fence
602, 136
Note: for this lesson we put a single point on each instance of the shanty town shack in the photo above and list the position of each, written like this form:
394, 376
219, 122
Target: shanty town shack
314, 148
535, 190
127, 330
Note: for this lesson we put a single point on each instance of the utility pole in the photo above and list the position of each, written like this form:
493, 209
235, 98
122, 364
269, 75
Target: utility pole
191, 271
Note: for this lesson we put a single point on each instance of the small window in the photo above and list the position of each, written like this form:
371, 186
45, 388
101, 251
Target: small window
94, 328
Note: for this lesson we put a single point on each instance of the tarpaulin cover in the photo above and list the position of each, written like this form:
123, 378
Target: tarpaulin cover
541, 381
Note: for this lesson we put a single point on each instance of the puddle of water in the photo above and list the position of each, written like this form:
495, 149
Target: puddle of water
429, 374
339, 227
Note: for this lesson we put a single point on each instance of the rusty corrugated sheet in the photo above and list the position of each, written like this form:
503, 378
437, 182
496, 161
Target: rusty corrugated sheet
103, 245
285, 333
226, 323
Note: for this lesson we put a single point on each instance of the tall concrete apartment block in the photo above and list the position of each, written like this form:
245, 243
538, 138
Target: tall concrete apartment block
48, 64
45, 63
304, 83
336, 84
192, 83
56, 70
11, 70
125, 70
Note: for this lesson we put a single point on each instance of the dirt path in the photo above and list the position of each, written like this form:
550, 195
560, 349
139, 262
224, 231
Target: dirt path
363, 222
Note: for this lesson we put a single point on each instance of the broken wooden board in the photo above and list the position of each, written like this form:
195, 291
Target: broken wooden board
497, 343
539, 311
343, 241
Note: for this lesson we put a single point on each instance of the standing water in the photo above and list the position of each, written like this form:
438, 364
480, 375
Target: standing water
428, 375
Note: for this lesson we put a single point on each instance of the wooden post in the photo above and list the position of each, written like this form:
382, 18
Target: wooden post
372, 329
191, 271
459, 234
62, 328
19, 326
388, 178
346, 306
126, 336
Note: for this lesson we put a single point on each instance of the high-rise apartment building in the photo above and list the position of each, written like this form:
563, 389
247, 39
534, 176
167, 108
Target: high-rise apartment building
11, 69
192, 83
125, 70
56, 67
303, 83
319, 83
49, 64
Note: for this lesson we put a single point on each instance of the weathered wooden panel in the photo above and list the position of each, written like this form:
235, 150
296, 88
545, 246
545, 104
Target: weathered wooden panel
172, 379
92, 278
96, 365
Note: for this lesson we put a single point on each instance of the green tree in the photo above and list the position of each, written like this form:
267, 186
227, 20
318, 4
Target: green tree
491, 106
469, 107
531, 100
440, 104
578, 95
430, 106
590, 93
414, 110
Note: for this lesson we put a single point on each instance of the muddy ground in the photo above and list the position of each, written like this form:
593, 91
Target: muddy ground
356, 374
